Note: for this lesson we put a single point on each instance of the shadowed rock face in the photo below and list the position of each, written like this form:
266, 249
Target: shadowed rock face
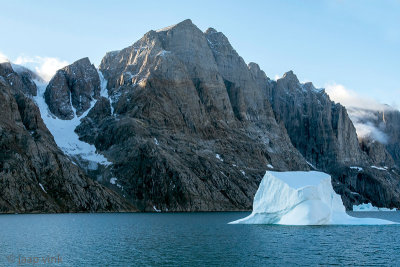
73, 87
320, 129
324, 134
377, 152
186, 133
35, 176
246, 95
369, 185
392, 129
20, 79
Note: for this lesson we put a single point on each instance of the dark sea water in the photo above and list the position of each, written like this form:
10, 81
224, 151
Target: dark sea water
191, 239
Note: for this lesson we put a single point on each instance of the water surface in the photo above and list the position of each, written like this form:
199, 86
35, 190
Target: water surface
191, 239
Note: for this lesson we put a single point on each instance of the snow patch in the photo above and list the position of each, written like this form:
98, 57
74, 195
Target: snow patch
163, 53
242, 171
156, 142
155, 209
63, 131
310, 164
104, 91
369, 207
113, 180
380, 168
41, 186
218, 156
300, 198
356, 168
270, 166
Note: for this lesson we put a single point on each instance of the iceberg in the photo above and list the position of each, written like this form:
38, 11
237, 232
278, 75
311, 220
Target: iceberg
300, 198
369, 207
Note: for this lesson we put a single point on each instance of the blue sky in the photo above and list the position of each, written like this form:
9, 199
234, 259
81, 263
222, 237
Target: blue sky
354, 44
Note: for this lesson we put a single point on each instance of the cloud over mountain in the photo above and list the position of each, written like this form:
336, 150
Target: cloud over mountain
46, 67
3, 58
359, 109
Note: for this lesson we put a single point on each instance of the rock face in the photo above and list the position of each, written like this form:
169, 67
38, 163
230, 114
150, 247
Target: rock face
391, 120
324, 134
35, 176
377, 152
190, 129
320, 129
72, 89
19, 80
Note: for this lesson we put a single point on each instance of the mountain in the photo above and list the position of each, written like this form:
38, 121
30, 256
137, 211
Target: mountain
325, 135
35, 176
179, 122
184, 131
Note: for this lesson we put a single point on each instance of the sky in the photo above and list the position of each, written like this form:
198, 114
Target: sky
349, 47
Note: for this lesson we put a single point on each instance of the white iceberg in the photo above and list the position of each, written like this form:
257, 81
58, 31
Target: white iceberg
300, 198
369, 207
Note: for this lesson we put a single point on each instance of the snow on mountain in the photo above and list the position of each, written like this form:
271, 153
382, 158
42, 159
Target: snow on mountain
300, 198
63, 130
104, 91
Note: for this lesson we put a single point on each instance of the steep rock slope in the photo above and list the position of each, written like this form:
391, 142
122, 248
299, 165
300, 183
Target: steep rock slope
183, 130
35, 176
325, 135
320, 129
391, 120
72, 89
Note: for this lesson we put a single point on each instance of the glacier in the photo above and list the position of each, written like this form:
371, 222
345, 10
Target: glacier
300, 198
63, 131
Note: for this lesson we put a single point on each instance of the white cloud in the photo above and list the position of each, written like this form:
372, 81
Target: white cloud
361, 110
350, 98
366, 124
369, 130
3, 58
46, 67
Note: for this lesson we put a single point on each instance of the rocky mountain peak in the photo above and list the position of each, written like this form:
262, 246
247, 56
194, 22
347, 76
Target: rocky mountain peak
5, 69
257, 71
290, 76
187, 23
309, 85
19, 79
179, 52
80, 63
73, 88
217, 39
